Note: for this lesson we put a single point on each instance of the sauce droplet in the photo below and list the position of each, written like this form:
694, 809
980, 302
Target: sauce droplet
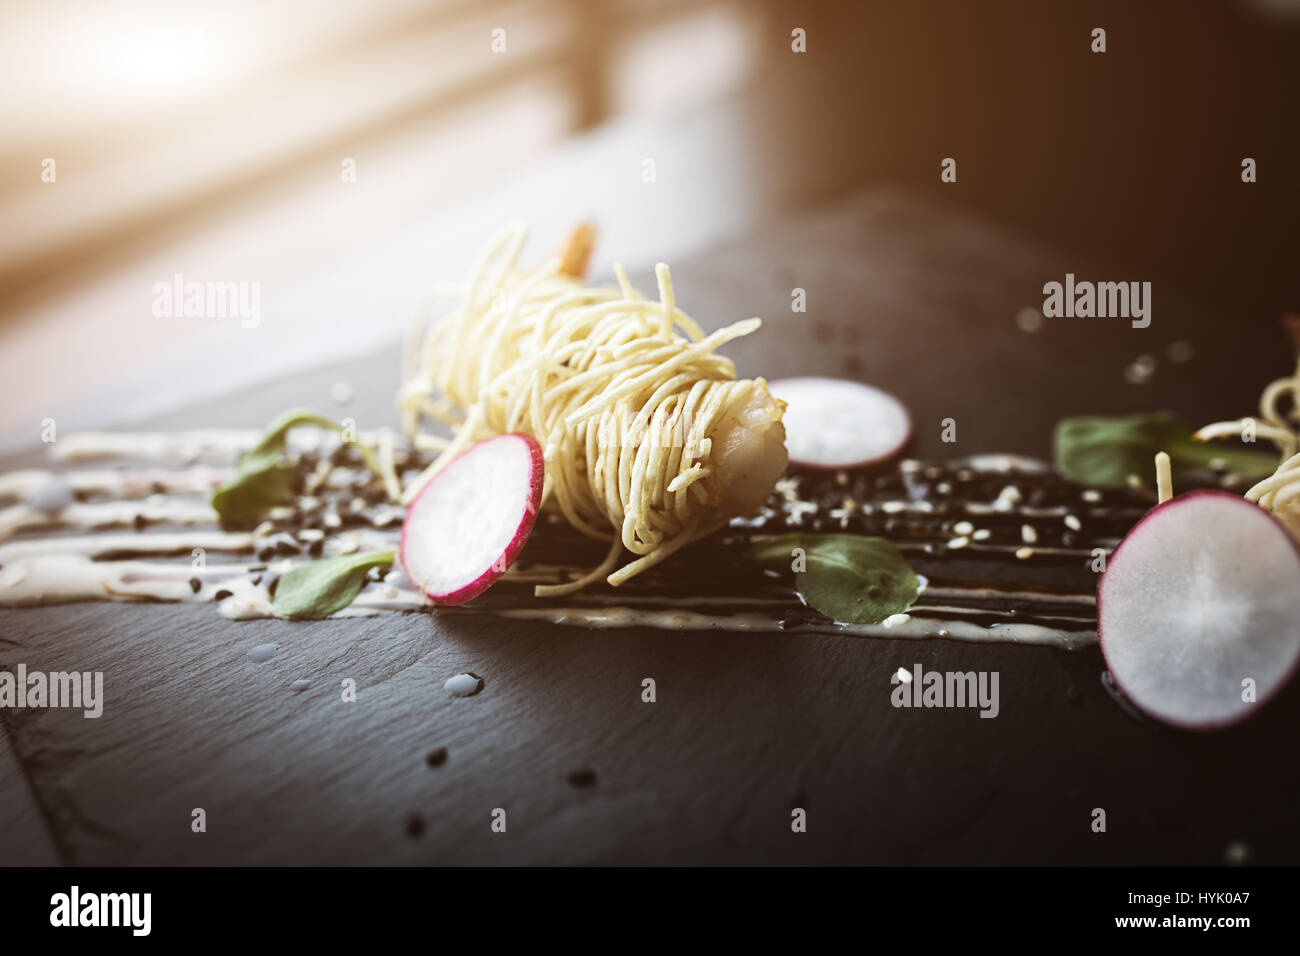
262, 653
463, 685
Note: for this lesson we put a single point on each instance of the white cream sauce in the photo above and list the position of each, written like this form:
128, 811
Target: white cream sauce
914, 627
60, 569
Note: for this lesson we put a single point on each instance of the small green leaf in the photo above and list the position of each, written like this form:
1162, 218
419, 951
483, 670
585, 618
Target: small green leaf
1104, 451
263, 478
321, 588
848, 577
259, 485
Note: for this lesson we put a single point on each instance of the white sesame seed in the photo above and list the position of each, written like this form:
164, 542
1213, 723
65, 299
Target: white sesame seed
1028, 534
1073, 523
1091, 494
959, 542
963, 527
1023, 553
1008, 498
982, 534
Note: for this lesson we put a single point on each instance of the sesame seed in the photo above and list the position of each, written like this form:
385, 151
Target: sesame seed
1028, 534
963, 527
1073, 523
1008, 498
1023, 553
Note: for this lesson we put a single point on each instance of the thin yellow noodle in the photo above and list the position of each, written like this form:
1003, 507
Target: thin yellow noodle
1164, 480
620, 391
1281, 490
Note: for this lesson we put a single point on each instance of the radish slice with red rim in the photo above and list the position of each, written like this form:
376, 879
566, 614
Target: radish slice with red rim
1198, 601
836, 423
471, 520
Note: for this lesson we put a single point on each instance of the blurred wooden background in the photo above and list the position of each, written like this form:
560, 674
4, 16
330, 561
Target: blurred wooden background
207, 139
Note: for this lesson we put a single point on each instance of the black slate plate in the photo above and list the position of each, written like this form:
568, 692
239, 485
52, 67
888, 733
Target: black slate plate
746, 727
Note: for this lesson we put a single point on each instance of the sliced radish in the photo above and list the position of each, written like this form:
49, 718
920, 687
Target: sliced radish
1202, 595
835, 423
469, 523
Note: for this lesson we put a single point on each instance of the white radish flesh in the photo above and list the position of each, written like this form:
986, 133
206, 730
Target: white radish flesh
1201, 598
836, 423
471, 520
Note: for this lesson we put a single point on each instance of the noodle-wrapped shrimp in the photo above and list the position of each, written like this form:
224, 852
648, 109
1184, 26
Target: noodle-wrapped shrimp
650, 440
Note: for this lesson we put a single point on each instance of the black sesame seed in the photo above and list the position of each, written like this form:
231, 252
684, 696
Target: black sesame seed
272, 584
265, 554
285, 548
222, 595
436, 758
195, 585
583, 778
140, 522
316, 548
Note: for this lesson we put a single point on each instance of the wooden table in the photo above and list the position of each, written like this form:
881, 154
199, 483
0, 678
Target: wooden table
746, 726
